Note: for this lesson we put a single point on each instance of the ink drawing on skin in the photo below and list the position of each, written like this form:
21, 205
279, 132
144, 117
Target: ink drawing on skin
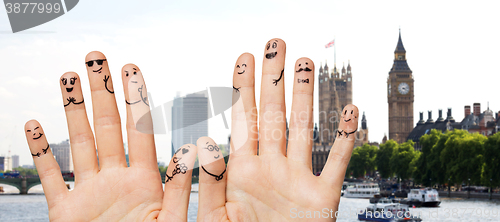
98, 69
238, 67
275, 81
179, 167
69, 88
273, 45
134, 79
348, 123
36, 131
215, 148
237, 89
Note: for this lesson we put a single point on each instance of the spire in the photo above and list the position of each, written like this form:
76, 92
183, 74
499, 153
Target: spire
400, 47
320, 68
363, 121
348, 65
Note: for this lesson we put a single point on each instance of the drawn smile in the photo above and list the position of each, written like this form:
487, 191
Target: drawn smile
99, 70
347, 120
241, 72
133, 81
217, 157
271, 55
38, 136
69, 89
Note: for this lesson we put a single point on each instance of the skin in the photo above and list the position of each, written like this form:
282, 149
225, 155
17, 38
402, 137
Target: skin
110, 191
265, 180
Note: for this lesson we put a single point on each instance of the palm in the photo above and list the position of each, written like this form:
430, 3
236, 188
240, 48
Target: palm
279, 191
129, 190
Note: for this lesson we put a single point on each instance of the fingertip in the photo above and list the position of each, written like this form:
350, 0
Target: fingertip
94, 55
31, 124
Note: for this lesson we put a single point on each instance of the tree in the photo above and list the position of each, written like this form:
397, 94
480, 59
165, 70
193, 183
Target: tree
462, 156
491, 165
383, 157
362, 160
401, 158
422, 172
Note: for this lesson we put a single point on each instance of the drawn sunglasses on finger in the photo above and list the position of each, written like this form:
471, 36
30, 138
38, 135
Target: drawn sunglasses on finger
98, 61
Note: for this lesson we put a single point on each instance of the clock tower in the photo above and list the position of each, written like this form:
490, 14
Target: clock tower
400, 96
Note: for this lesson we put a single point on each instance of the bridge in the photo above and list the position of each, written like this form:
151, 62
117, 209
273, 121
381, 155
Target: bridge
24, 184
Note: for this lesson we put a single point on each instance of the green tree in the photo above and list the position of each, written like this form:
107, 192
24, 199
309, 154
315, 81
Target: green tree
362, 160
25, 171
428, 162
462, 156
401, 158
383, 158
491, 165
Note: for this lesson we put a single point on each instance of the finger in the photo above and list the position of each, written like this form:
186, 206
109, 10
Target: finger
48, 170
212, 186
142, 151
244, 111
341, 151
272, 120
107, 124
178, 184
80, 134
301, 118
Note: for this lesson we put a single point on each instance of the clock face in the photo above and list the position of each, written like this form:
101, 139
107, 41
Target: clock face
403, 88
389, 90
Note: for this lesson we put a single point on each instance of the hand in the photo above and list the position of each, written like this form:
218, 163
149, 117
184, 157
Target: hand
266, 179
109, 190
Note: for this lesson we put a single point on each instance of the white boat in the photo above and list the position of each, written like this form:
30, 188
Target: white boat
361, 190
428, 197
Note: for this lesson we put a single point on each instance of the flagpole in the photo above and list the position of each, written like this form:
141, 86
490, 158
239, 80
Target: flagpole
334, 53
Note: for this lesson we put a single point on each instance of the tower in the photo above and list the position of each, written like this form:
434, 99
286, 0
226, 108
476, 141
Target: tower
335, 92
400, 95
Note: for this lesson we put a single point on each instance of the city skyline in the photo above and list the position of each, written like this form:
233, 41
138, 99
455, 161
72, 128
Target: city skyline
188, 47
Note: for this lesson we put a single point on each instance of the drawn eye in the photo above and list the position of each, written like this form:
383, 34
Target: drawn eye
126, 73
352, 111
345, 112
244, 65
64, 81
268, 46
300, 65
238, 66
72, 81
135, 73
275, 45
307, 63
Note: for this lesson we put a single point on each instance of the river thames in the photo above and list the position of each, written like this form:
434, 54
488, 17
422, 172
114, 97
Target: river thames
33, 207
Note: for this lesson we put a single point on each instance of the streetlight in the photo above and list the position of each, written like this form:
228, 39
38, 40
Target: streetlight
491, 187
468, 189
449, 185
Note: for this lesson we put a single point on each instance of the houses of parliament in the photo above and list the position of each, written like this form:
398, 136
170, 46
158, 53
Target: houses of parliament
335, 92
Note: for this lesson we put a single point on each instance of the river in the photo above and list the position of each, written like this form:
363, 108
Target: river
33, 207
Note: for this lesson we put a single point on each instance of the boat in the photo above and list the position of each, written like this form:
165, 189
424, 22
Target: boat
361, 190
386, 211
428, 197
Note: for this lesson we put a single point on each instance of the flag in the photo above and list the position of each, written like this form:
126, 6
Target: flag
330, 44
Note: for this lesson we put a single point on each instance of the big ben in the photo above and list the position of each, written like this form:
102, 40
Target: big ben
400, 95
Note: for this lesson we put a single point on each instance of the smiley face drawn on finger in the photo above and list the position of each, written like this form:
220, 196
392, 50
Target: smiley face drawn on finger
349, 121
304, 67
97, 63
69, 86
36, 133
241, 70
133, 75
211, 148
270, 49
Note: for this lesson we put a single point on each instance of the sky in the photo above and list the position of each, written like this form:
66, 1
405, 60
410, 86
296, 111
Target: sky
186, 46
